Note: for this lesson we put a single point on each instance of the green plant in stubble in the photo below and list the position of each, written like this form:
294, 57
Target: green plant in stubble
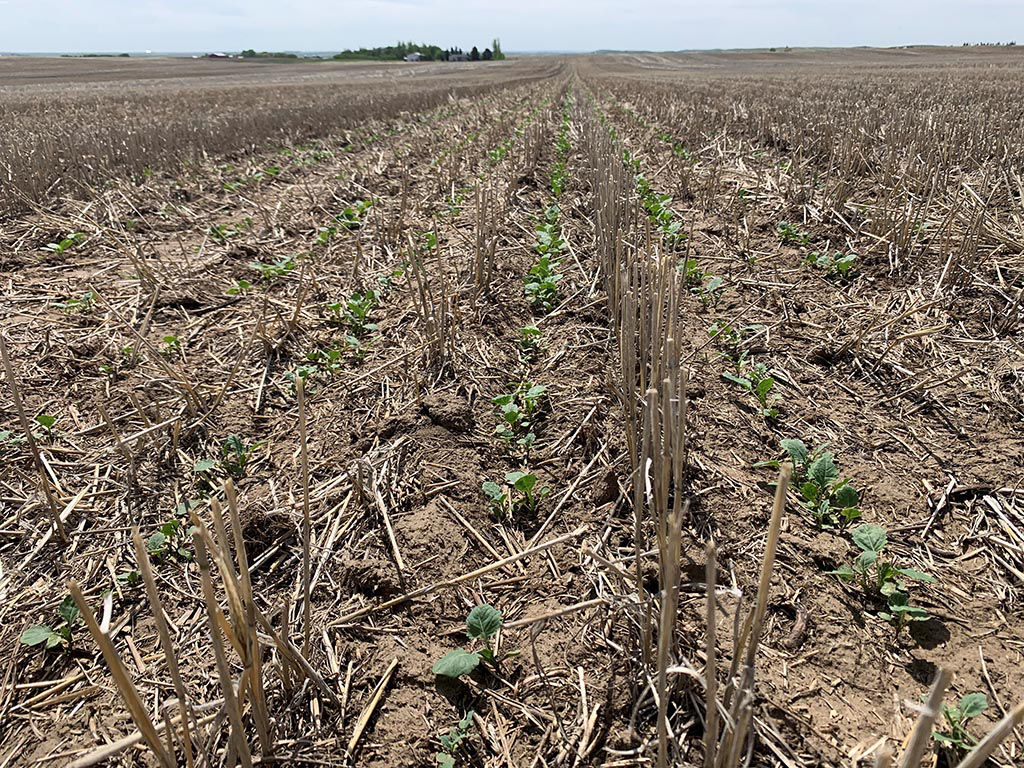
880, 579
235, 456
831, 499
59, 634
222, 232
46, 421
529, 342
271, 272
240, 288
170, 346
692, 273
517, 497
952, 735
450, 741
711, 293
69, 241
790, 234
734, 339
541, 282
482, 624
324, 235
835, 264
354, 313
173, 540
84, 303
10, 442
518, 414
759, 383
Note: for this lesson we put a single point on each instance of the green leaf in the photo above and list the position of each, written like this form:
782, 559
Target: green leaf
69, 611
747, 384
483, 622
45, 420
525, 483
844, 572
870, 538
809, 491
204, 465
764, 386
912, 573
56, 639
796, 450
943, 738
444, 760
846, 496
155, 543
867, 559
492, 490
823, 470
973, 704
456, 663
36, 635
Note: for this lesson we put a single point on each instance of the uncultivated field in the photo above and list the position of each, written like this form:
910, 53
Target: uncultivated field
702, 373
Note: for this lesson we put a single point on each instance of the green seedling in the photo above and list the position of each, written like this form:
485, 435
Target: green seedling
953, 734
61, 634
518, 414
759, 383
516, 497
240, 288
880, 579
831, 499
450, 742
173, 540
354, 312
733, 340
711, 293
84, 303
46, 421
324, 235
170, 346
559, 178
833, 264
271, 272
10, 442
529, 342
70, 241
235, 456
352, 217
482, 624
222, 232
693, 275
791, 235
541, 283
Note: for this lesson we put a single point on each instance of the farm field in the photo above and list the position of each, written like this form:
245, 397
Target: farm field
704, 370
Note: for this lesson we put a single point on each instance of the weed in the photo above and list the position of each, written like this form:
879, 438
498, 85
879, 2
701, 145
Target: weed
734, 339
354, 313
692, 273
791, 235
835, 264
482, 624
516, 497
880, 580
70, 241
450, 742
954, 735
324, 235
60, 634
759, 383
172, 540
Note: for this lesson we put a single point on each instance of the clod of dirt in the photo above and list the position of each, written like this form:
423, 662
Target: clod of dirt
606, 489
370, 577
451, 412
261, 530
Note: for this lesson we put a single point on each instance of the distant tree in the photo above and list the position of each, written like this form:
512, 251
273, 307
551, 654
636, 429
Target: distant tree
474, 55
496, 47
248, 53
487, 55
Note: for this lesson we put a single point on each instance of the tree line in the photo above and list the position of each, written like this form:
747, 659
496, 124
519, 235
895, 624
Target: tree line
429, 52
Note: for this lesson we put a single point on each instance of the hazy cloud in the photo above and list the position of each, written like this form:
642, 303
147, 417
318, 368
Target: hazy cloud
197, 25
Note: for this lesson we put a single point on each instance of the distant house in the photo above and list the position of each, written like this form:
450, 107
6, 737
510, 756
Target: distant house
414, 57
458, 57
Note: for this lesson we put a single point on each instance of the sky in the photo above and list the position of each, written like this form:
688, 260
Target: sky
522, 25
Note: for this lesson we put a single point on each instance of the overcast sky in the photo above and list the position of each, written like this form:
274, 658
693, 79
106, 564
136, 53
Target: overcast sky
523, 25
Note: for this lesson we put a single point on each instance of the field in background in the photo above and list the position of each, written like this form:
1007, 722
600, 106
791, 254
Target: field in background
358, 348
